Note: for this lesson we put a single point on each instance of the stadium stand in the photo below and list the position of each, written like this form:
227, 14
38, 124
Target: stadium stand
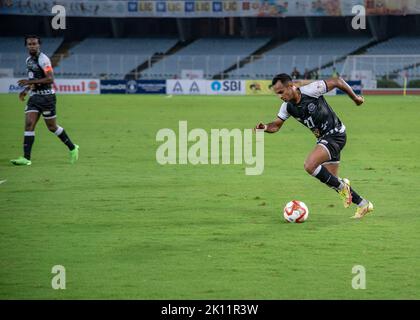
13, 53
114, 58
213, 55
327, 71
97, 57
398, 45
391, 58
310, 53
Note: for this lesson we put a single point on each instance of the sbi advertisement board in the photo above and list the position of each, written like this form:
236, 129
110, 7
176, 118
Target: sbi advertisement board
226, 87
205, 87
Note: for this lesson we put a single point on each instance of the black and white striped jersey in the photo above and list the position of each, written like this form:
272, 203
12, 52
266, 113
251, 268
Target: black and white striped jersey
313, 111
36, 67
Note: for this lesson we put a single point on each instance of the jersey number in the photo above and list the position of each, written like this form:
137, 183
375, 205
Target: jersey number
309, 123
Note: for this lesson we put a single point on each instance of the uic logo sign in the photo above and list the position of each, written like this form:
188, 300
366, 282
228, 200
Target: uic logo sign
171, 152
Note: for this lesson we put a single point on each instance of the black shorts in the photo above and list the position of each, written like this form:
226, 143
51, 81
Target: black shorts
43, 104
334, 143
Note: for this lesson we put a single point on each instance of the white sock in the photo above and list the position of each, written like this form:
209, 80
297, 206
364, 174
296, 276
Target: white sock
58, 131
362, 203
341, 185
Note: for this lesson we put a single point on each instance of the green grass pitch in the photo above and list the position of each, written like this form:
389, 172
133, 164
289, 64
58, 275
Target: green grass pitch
125, 227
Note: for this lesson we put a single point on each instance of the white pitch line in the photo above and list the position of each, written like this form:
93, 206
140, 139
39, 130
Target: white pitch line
2, 181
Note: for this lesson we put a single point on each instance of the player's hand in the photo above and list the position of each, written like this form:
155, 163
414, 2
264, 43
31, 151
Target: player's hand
260, 126
359, 100
22, 95
23, 82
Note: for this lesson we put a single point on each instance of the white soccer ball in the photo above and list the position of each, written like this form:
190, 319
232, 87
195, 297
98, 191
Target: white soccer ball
295, 211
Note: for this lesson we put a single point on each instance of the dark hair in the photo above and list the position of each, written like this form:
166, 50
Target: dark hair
284, 78
32, 36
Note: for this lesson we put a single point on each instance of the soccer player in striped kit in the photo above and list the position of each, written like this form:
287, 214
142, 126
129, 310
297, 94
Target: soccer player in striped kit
308, 106
42, 101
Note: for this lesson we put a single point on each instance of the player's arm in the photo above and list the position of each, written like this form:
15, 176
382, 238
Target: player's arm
24, 92
48, 79
275, 126
343, 86
45, 63
271, 127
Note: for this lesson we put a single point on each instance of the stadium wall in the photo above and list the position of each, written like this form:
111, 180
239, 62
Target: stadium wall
61, 86
182, 87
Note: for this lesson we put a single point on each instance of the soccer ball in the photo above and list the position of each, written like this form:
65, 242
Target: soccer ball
295, 211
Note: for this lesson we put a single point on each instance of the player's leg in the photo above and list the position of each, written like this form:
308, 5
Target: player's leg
50, 117
334, 145
363, 205
332, 167
31, 119
51, 123
313, 166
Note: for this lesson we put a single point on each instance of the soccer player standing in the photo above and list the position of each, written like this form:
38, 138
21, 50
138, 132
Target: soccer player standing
42, 100
308, 106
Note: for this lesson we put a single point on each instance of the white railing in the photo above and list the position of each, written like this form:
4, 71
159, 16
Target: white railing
382, 66
224, 66
120, 65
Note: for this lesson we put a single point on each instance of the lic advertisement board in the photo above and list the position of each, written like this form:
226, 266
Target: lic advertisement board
134, 86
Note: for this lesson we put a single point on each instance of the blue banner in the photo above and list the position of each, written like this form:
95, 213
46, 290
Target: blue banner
161, 6
355, 85
113, 86
134, 86
151, 86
